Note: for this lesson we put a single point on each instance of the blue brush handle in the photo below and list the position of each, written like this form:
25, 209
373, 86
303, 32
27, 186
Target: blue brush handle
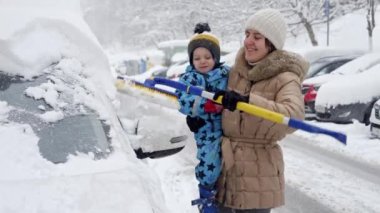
177, 85
298, 124
150, 84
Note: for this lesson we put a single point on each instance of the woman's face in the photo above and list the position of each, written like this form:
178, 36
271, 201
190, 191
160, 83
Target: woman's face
203, 60
255, 47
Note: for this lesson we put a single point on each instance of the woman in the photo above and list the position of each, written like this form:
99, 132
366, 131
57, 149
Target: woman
252, 179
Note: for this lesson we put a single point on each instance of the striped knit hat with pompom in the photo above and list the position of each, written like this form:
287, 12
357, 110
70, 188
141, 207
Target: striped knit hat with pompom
203, 38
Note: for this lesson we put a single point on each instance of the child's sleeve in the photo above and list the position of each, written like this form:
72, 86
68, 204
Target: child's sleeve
189, 104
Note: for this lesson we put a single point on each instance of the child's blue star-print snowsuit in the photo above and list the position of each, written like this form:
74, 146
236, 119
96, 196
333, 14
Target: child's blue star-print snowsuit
208, 137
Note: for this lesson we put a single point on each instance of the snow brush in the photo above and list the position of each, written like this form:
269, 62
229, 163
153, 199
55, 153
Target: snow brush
122, 83
250, 109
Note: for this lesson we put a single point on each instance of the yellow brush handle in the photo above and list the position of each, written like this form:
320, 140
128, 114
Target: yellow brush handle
257, 111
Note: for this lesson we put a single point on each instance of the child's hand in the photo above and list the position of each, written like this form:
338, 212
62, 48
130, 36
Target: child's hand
195, 123
211, 107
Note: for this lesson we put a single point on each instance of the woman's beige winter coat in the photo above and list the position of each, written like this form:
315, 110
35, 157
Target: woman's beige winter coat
253, 167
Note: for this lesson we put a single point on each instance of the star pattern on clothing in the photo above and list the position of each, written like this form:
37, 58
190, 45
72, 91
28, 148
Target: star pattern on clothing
201, 163
212, 138
210, 167
200, 145
203, 154
203, 137
201, 174
208, 137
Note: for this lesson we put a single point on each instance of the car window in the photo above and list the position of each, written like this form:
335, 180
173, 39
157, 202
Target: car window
325, 66
80, 131
314, 68
329, 68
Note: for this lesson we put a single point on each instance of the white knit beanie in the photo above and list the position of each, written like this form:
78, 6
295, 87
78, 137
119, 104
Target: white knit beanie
271, 24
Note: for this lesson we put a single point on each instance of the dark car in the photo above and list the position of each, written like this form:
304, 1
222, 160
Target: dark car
319, 67
375, 119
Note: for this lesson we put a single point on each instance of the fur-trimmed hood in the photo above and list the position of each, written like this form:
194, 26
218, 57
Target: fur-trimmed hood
276, 62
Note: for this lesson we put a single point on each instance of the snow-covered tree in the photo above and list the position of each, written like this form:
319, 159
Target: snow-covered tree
143, 23
305, 14
371, 10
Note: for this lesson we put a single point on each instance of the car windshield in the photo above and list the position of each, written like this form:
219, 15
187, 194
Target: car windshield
326, 66
78, 131
315, 67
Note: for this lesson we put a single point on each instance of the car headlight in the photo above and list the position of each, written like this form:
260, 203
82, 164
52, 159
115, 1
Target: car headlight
344, 115
376, 106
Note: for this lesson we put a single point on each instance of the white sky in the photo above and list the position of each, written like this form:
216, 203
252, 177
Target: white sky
39, 36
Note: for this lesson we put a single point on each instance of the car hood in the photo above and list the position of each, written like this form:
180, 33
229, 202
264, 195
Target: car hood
107, 191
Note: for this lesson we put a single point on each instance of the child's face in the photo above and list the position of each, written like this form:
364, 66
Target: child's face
203, 60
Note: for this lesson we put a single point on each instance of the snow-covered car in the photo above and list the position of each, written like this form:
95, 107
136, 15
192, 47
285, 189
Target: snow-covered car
310, 86
172, 47
328, 64
63, 148
313, 54
154, 124
350, 97
375, 119
321, 66
130, 67
55, 118
176, 69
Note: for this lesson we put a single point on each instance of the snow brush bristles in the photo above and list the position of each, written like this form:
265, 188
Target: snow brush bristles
146, 92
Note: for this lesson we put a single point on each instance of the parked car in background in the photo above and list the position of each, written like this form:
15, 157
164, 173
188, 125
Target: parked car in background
176, 69
375, 119
349, 97
176, 56
310, 86
172, 47
129, 66
320, 67
313, 54
328, 64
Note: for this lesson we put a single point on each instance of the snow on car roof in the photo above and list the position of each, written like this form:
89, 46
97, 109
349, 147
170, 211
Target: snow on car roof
357, 88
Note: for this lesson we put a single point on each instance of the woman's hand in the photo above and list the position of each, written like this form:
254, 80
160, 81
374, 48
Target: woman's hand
230, 99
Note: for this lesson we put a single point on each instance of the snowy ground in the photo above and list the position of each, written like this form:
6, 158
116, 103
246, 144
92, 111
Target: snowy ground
321, 174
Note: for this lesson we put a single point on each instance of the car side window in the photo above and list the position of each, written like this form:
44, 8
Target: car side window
330, 67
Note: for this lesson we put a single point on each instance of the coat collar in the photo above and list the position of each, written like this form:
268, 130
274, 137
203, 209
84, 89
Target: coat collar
277, 62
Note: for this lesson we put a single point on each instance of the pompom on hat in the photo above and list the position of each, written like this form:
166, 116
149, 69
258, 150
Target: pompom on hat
203, 38
271, 24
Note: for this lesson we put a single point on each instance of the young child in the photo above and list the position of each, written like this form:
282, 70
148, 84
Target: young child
203, 116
